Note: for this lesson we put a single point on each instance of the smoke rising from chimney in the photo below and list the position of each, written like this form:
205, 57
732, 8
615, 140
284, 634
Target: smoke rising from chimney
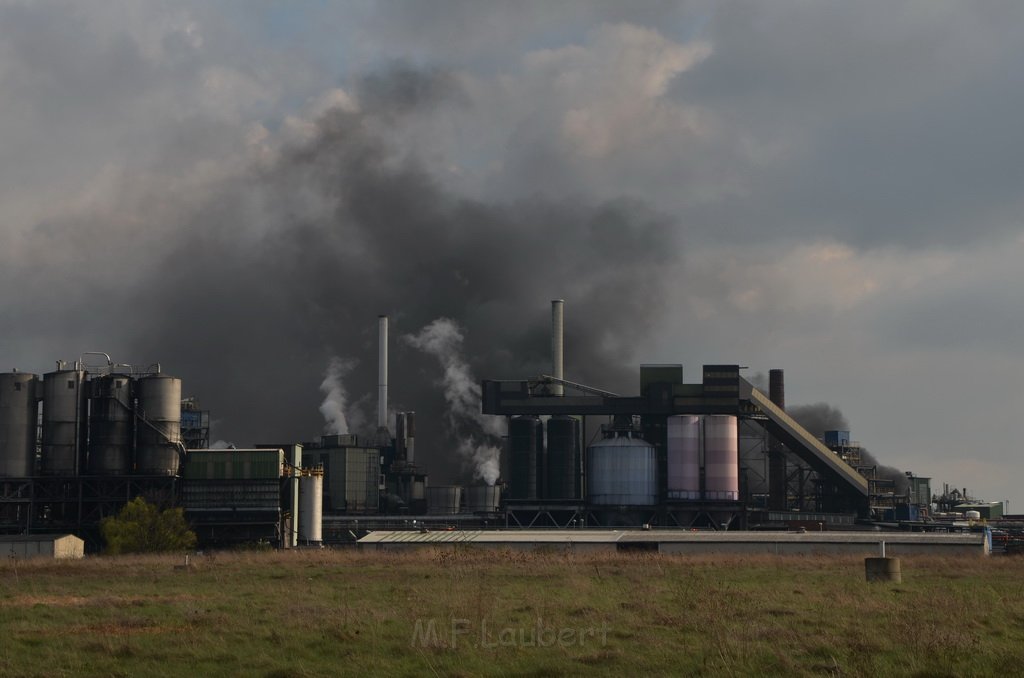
477, 433
288, 259
336, 398
818, 418
821, 417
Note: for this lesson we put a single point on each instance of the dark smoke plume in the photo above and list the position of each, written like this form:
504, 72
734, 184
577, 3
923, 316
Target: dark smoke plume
818, 418
821, 417
247, 287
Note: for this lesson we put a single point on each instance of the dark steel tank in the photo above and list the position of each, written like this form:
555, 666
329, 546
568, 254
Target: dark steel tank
526, 453
18, 409
563, 458
110, 425
64, 422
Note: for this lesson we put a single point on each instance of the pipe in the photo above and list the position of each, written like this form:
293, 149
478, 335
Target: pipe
382, 372
777, 388
557, 344
410, 437
81, 358
777, 472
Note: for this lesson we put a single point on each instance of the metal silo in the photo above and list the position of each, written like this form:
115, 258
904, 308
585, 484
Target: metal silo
64, 422
483, 498
311, 506
721, 457
158, 426
684, 457
444, 499
622, 471
563, 458
526, 452
110, 425
18, 409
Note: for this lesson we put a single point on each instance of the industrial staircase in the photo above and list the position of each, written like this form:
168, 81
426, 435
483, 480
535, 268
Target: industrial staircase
801, 443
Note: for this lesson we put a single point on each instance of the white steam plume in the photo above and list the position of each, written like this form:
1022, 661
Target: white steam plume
486, 459
479, 446
335, 400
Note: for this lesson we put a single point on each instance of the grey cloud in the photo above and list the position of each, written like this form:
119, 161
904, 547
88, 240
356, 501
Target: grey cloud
250, 317
144, 214
878, 123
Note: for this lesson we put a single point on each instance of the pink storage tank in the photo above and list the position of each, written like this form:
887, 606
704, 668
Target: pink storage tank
721, 458
684, 457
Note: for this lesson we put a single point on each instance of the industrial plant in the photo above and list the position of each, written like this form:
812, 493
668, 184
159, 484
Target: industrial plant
717, 454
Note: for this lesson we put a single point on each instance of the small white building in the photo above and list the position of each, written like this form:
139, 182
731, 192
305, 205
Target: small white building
41, 546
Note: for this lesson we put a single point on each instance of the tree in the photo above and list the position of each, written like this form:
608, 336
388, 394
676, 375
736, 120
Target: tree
141, 527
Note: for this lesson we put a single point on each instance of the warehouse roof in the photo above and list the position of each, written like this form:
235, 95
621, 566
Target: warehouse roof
493, 537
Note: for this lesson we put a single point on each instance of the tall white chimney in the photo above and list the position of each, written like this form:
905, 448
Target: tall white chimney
382, 372
557, 328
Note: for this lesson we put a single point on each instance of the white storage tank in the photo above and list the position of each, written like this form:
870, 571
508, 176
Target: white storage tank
158, 430
622, 471
721, 458
311, 506
684, 457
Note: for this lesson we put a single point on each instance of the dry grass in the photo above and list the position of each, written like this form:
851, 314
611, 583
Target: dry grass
343, 612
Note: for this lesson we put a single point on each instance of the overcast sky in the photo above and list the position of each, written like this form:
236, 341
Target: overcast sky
237, 189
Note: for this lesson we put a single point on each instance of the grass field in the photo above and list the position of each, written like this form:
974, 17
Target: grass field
504, 613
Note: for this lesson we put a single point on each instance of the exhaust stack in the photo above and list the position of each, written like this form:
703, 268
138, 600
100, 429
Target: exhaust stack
777, 490
382, 373
557, 331
410, 437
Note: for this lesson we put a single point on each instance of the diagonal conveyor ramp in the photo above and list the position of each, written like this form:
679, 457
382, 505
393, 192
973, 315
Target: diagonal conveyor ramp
804, 445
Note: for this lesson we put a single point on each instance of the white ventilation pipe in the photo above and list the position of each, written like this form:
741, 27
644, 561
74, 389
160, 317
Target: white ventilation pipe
557, 330
382, 372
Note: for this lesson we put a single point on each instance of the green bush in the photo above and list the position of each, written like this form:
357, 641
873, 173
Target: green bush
141, 527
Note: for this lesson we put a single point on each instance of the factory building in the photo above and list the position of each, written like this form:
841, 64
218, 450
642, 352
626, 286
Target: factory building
78, 443
717, 454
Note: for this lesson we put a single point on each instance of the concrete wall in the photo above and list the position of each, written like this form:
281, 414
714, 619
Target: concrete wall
810, 549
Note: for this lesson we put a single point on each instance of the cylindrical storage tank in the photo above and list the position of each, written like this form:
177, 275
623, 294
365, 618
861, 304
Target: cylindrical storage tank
444, 499
18, 410
64, 422
158, 426
563, 458
526, 454
483, 498
311, 507
622, 471
110, 425
684, 457
721, 458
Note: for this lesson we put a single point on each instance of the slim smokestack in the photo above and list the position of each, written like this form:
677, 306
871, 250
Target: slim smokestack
777, 471
410, 436
777, 388
382, 372
557, 331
